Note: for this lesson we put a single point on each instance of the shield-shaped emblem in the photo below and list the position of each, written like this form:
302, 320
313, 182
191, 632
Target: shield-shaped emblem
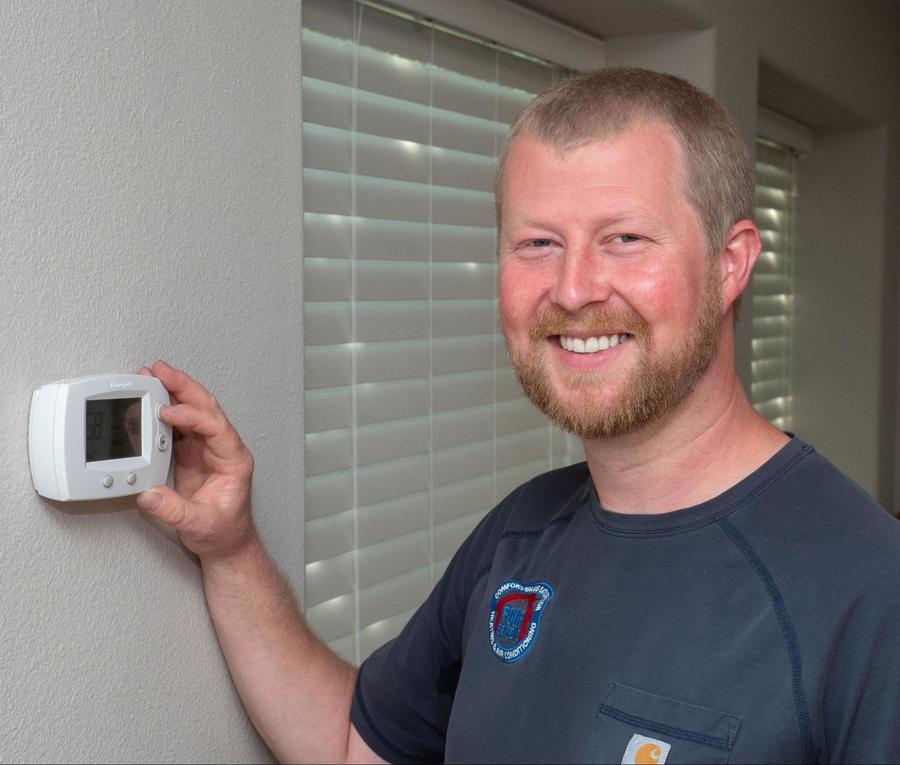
516, 611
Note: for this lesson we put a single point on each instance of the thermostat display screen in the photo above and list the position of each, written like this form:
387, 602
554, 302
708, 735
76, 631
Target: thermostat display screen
112, 428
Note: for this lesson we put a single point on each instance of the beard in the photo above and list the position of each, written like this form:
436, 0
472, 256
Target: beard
660, 382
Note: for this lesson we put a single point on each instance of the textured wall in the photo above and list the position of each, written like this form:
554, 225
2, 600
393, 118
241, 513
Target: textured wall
151, 207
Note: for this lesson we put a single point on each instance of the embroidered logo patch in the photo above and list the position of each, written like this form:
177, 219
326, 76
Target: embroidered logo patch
646, 751
515, 615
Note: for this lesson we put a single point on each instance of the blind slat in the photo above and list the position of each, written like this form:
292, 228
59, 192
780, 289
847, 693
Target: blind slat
330, 236
410, 77
331, 104
396, 159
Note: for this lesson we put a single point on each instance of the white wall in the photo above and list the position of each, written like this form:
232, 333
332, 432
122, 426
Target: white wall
836, 66
151, 202
838, 280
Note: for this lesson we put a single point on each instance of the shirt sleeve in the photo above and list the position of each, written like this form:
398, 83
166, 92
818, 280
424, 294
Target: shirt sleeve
862, 695
405, 689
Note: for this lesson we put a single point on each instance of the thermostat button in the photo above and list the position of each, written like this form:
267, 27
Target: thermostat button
131, 479
107, 481
158, 407
162, 442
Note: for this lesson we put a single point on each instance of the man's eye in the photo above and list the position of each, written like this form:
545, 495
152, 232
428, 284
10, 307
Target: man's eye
626, 238
537, 243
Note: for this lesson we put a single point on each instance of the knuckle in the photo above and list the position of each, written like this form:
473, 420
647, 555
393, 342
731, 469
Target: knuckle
216, 406
247, 463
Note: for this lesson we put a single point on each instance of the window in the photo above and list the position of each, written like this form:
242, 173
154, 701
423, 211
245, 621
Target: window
772, 282
415, 425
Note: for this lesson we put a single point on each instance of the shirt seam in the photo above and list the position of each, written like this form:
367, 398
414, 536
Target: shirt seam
536, 533
526, 533
523, 534
788, 632
736, 505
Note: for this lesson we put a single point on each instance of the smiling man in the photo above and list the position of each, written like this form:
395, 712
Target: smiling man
705, 588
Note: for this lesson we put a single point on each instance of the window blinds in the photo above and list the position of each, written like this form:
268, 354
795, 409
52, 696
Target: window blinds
773, 292
415, 425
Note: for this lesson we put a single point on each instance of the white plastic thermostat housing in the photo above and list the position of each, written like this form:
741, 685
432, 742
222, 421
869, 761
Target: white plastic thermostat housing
97, 437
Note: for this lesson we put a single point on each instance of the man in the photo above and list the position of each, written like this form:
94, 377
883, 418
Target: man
705, 589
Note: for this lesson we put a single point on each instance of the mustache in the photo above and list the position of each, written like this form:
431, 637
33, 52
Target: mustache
601, 320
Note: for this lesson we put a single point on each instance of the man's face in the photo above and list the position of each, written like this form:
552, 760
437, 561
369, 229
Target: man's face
609, 303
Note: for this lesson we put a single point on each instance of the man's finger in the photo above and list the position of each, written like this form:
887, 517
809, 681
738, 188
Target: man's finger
164, 503
222, 439
184, 387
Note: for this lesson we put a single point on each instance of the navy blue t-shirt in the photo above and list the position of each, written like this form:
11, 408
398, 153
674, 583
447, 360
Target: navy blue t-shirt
760, 626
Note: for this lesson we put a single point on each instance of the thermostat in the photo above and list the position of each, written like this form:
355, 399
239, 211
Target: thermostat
97, 437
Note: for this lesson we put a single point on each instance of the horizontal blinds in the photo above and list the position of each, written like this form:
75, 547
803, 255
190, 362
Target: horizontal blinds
415, 425
773, 292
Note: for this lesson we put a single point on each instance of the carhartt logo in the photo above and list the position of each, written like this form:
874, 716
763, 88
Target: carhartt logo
645, 751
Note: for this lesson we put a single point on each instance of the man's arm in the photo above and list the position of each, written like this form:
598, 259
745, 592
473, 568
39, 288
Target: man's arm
296, 691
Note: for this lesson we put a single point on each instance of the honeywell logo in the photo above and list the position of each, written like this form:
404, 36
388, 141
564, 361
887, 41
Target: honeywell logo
120, 385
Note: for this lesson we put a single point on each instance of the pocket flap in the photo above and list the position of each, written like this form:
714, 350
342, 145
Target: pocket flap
668, 717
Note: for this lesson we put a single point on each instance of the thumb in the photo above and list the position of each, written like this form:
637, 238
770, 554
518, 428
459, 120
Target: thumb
165, 503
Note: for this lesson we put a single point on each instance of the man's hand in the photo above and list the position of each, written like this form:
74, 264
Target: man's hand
210, 505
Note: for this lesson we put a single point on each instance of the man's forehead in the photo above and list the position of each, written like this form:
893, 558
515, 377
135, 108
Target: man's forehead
646, 155
636, 134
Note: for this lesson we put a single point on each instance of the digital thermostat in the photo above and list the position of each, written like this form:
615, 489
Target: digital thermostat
97, 437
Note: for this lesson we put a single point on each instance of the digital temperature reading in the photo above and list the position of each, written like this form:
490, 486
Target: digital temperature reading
99, 436
112, 429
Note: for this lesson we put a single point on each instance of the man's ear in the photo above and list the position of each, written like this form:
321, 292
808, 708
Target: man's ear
739, 253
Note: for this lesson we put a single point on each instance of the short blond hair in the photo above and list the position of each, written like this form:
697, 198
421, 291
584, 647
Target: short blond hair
602, 104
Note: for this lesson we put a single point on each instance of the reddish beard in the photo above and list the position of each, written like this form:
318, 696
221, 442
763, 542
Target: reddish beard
660, 382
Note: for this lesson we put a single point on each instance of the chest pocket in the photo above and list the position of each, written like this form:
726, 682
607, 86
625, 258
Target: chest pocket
639, 727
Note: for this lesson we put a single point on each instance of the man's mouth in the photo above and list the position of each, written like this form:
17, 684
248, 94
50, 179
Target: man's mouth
592, 344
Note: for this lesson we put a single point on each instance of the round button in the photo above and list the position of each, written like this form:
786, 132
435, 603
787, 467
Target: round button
162, 442
131, 479
107, 481
158, 407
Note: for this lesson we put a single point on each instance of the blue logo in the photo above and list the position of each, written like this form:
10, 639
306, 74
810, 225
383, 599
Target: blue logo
515, 616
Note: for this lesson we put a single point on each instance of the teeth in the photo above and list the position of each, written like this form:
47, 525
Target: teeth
592, 344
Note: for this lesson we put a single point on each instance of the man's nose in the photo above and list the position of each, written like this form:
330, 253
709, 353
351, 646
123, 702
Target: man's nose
582, 278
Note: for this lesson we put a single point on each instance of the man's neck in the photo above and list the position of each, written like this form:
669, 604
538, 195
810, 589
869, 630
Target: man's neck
710, 442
